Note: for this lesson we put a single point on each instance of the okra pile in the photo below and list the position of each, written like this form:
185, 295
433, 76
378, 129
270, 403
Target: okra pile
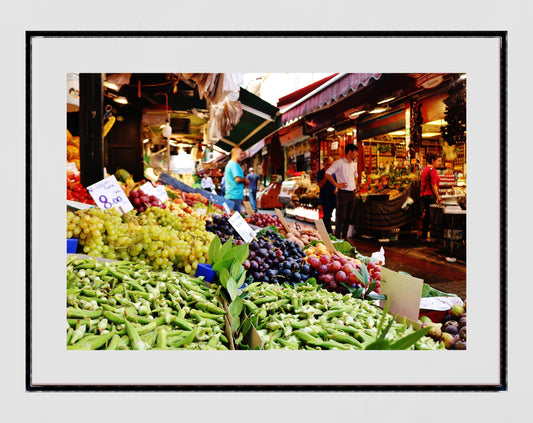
309, 317
130, 306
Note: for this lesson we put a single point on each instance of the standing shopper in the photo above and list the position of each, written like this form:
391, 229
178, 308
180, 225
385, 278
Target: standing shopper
234, 180
429, 190
207, 183
345, 171
253, 179
326, 196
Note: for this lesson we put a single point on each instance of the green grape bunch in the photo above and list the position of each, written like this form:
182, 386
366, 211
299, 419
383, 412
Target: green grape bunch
158, 237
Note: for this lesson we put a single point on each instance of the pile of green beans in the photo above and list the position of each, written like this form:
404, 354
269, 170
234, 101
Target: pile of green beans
311, 318
130, 306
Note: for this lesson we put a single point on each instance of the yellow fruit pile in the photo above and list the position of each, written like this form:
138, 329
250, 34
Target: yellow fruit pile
320, 250
73, 149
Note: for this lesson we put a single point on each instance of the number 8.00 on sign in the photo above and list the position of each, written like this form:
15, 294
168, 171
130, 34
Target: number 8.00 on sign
107, 194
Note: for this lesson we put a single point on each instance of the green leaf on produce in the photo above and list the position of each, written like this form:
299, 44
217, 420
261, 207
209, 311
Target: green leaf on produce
429, 291
241, 252
268, 228
311, 281
222, 264
242, 279
380, 344
383, 316
359, 275
224, 277
409, 340
343, 247
236, 269
365, 275
224, 249
235, 308
232, 288
371, 287
374, 296
214, 247
246, 326
355, 292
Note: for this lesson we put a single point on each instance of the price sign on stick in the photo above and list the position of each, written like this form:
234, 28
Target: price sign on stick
226, 208
282, 219
404, 293
324, 236
242, 227
159, 191
248, 207
108, 194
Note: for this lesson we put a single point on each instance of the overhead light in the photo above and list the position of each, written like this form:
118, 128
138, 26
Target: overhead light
330, 129
121, 100
463, 76
386, 100
111, 85
430, 134
397, 133
379, 110
439, 122
355, 114
146, 140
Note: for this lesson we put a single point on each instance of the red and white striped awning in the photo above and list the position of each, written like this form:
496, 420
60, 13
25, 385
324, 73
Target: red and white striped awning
333, 90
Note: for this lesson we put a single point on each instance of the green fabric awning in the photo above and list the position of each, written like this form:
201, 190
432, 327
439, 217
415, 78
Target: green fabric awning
259, 120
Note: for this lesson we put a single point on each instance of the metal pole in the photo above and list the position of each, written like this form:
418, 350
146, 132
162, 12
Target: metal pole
91, 126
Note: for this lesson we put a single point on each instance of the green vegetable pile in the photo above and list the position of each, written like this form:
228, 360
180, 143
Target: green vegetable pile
309, 317
130, 306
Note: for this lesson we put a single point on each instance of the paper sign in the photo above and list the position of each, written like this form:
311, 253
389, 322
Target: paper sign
108, 194
226, 208
161, 192
242, 227
324, 236
158, 191
403, 291
283, 221
201, 211
71, 166
248, 208
78, 206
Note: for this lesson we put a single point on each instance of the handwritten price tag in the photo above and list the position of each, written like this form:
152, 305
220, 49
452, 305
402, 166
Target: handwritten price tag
226, 208
159, 191
242, 227
108, 194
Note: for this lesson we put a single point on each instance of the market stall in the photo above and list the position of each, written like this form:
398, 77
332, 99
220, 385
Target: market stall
155, 263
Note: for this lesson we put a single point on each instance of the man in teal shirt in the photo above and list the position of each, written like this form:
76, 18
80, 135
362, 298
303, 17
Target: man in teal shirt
234, 180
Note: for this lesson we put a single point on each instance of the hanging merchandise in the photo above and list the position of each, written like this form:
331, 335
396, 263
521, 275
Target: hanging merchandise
214, 87
455, 114
416, 126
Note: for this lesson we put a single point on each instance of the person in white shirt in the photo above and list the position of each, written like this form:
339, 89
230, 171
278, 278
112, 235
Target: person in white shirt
345, 171
207, 183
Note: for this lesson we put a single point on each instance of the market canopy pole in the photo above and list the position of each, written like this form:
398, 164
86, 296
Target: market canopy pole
91, 127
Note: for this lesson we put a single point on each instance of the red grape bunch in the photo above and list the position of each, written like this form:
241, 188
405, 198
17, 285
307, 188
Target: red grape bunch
334, 270
142, 201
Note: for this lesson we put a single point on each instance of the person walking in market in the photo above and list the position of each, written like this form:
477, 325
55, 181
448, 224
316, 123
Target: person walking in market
345, 171
326, 196
234, 180
253, 183
429, 190
207, 183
